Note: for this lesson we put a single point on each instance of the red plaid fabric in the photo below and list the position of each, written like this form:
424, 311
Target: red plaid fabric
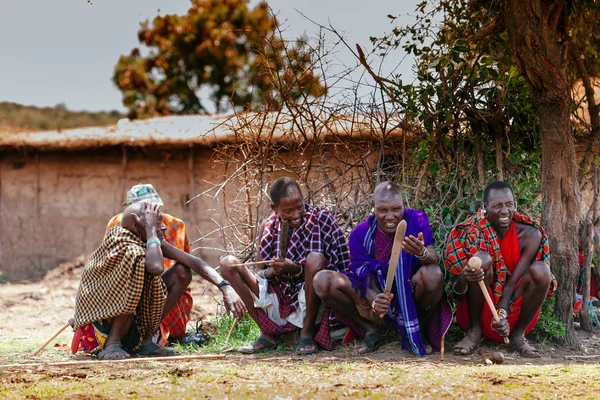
174, 324
475, 234
323, 337
320, 233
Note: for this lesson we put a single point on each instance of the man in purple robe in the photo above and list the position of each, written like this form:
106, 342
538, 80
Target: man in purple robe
416, 308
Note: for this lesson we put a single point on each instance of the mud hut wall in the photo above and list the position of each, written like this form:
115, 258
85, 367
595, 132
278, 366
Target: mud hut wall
55, 206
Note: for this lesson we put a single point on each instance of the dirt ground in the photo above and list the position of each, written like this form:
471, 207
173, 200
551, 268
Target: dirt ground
32, 312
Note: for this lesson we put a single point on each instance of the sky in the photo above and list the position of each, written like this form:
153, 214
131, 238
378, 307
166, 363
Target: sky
64, 51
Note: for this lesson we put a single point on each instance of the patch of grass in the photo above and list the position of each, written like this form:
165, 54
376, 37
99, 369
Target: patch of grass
548, 326
244, 333
18, 348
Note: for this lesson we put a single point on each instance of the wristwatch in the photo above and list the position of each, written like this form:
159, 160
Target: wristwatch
224, 282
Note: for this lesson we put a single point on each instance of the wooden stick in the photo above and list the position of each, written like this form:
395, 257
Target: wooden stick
126, 360
250, 263
442, 348
231, 330
35, 353
485, 357
475, 264
582, 357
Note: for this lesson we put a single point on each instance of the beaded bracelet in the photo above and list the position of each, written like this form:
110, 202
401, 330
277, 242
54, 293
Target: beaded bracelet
502, 313
153, 240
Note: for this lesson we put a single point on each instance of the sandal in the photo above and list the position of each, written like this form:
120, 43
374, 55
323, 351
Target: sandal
525, 349
467, 345
154, 350
113, 352
307, 346
371, 342
265, 344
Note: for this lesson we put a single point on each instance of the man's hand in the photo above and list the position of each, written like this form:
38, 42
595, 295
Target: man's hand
414, 245
382, 302
150, 218
502, 327
233, 303
470, 275
282, 265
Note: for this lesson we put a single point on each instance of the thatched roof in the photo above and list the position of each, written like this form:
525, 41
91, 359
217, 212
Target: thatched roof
196, 130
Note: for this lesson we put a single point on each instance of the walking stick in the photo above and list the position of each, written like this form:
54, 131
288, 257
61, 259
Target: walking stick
475, 264
231, 330
35, 353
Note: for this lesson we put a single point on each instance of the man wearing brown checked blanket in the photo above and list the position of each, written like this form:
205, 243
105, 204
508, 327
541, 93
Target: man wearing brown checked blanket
125, 288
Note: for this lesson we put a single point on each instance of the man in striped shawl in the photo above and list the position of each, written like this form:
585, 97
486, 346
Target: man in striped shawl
280, 296
125, 293
416, 309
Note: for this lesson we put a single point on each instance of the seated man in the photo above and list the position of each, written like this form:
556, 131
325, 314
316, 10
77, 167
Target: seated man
125, 293
175, 322
416, 307
515, 268
280, 297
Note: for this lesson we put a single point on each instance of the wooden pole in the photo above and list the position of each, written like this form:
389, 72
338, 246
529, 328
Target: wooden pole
35, 353
126, 360
475, 264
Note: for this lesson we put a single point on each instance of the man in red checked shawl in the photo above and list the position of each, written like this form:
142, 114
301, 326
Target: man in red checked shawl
515, 268
280, 296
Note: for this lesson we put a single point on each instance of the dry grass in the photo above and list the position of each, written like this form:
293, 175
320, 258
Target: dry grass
282, 377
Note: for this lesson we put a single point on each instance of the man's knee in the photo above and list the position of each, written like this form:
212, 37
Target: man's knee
225, 266
430, 277
315, 262
540, 273
486, 264
324, 284
182, 273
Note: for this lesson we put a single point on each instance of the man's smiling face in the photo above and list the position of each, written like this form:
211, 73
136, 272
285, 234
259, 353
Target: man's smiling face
500, 208
389, 211
291, 209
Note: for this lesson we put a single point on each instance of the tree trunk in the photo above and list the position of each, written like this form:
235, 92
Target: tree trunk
499, 156
480, 161
587, 236
537, 32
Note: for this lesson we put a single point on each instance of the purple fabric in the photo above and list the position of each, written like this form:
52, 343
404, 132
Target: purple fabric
383, 246
366, 242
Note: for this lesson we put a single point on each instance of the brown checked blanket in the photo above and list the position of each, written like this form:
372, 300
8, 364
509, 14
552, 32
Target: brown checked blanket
115, 282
